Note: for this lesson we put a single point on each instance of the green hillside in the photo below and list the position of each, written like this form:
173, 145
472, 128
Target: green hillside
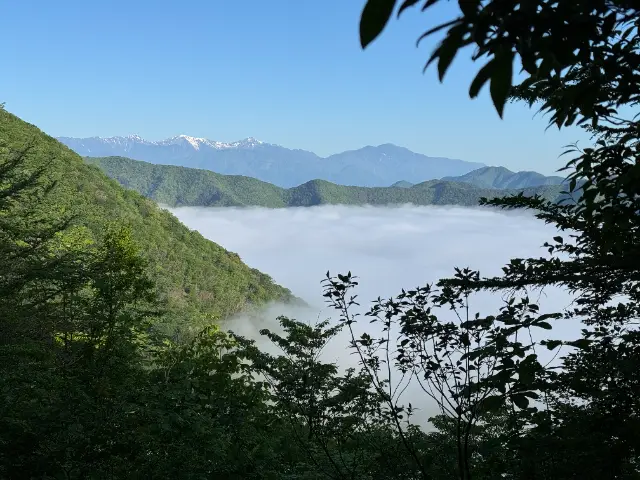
503, 178
180, 186
197, 278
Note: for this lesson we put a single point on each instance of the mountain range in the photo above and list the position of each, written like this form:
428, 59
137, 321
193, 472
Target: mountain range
180, 186
371, 166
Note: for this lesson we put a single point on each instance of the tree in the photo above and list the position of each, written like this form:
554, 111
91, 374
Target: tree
66, 391
27, 228
580, 65
468, 365
333, 416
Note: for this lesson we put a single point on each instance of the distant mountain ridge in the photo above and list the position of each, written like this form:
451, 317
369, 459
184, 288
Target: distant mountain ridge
371, 166
402, 184
502, 178
179, 140
180, 186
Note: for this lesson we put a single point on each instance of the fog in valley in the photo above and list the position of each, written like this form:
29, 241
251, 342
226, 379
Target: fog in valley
388, 248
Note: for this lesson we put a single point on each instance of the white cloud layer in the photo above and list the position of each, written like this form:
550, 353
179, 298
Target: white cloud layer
388, 248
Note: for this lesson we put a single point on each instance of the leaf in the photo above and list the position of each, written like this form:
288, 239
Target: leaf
481, 78
433, 30
493, 402
572, 185
581, 343
406, 4
552, 344
374, 18
558, 239
520, 401
468, 7
501, 79
428, 4
448, 49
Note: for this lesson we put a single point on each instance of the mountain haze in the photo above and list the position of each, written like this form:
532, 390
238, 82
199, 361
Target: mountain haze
181, 186
368, 166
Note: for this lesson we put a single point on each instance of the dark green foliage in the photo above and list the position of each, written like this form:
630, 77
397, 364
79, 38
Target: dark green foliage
87, 390
328, 413
196, 278
180, 186
580, 64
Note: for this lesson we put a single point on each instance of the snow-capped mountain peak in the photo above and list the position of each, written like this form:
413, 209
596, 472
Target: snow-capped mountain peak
247, 142
128, 140
196, 143
180, 140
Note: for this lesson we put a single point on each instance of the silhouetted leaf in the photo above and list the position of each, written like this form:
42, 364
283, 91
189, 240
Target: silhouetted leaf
501, 78
468, 7
406, 4
552, 344
480, 79
581, 343
520, 401
492, 402
375, 16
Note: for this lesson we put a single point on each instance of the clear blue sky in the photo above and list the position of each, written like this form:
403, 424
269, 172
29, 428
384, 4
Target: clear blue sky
289, 72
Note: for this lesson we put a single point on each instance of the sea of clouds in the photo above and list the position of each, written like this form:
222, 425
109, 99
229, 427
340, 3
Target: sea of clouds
388, 248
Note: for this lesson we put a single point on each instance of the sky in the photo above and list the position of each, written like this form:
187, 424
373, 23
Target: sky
286, 72
388, 248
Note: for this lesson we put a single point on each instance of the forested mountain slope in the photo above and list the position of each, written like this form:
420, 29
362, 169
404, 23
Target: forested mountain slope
500, 177
198, 279
181, 186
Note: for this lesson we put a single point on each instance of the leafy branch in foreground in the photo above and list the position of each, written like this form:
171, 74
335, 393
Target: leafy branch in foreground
580, 66
586, 51
469, 366
332, 415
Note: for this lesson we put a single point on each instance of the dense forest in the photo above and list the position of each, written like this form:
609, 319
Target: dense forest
180, 186
99, 379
